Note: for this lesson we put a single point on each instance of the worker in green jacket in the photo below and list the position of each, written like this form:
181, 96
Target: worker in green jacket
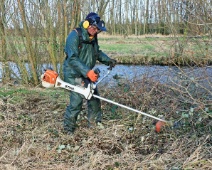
82, 52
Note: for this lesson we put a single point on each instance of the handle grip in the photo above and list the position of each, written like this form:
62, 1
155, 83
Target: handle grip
97, 71
110, 68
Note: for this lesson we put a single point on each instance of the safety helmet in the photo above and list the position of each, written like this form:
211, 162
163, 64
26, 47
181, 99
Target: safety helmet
94, 19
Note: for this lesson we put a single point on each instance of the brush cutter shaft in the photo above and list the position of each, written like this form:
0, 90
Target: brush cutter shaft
129, 108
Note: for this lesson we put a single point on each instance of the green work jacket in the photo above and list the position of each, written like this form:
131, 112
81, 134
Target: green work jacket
79, 60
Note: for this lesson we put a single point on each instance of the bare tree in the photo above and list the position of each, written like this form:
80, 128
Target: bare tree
102, 4
41, 27
29, 44
5, 65
146, 18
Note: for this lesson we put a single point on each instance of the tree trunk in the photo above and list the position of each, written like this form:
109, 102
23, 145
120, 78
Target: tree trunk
102, 7
146, 18
62, 27
29, 45
5, 64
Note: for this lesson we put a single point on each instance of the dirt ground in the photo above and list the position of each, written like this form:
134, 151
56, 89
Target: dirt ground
32, 137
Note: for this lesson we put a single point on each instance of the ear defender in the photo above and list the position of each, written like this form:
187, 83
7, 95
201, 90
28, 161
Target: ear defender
86, 24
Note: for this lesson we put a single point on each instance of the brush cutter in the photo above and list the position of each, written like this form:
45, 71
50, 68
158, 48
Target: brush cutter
50, 79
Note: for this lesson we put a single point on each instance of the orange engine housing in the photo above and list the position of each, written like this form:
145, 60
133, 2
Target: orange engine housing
50, 76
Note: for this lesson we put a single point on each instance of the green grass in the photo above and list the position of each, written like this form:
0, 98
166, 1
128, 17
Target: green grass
6, 92
18, 94
127, 48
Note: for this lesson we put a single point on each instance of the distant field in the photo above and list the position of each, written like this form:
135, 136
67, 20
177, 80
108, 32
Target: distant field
146, 49
157, 49
130, 46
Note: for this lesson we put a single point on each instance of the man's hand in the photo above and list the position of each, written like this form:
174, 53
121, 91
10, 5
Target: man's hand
112, 63
92, 76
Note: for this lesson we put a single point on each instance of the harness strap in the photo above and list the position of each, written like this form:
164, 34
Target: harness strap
79, 32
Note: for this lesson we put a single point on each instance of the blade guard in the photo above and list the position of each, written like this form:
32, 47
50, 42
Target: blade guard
49, 78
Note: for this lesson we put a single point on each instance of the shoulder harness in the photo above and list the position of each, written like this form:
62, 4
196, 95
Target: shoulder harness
81, 41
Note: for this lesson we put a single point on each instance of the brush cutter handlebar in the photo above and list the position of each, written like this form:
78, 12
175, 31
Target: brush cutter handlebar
97, 70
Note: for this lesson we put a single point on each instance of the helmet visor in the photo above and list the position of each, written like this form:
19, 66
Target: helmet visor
101, 26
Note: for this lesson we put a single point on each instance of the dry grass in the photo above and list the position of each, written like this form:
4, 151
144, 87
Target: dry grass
32, 137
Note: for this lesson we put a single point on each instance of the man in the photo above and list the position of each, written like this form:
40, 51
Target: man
82, 52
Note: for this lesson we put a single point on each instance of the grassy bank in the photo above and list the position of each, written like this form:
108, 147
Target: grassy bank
32, 137
158, 50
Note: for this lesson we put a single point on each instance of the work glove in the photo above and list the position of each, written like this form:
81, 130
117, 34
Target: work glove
92, 75
112, 63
